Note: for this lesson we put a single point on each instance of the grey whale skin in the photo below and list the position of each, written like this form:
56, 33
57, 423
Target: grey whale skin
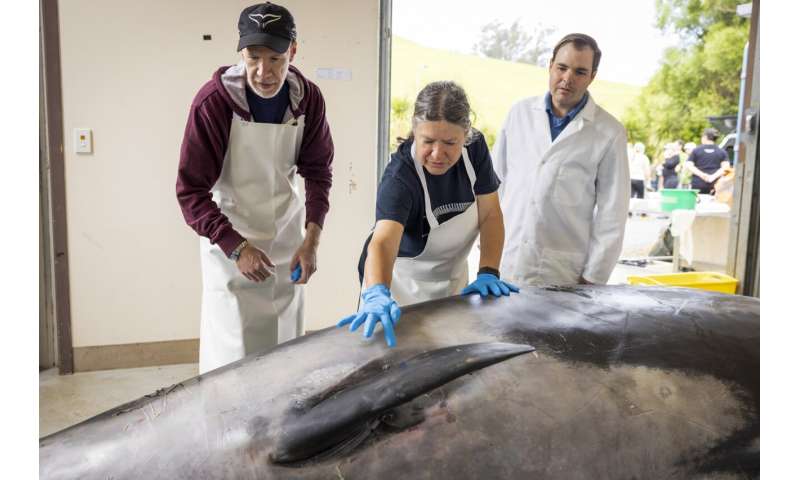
582, 382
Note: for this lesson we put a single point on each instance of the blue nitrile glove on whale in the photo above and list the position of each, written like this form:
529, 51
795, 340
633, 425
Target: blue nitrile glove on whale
296, 273
376, 305
489, 283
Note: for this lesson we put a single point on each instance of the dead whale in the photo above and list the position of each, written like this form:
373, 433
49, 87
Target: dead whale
554, 382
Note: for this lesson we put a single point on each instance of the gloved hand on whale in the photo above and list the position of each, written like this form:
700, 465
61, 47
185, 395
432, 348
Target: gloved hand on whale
377, 305
489, 283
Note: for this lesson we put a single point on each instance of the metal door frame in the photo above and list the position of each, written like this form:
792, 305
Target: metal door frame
54, 212
384, 86
743, 247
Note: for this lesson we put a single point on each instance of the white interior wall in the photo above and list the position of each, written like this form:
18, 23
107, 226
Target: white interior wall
129, 72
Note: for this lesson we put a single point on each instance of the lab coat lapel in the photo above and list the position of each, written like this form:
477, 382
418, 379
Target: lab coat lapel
577, 123
572, 128
542, 135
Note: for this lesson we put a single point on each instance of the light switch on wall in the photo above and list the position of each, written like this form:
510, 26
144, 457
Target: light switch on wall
83, 140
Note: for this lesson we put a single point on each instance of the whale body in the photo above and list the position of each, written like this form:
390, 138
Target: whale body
580, 382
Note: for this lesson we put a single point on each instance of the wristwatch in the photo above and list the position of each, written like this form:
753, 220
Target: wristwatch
238, 251
491, 270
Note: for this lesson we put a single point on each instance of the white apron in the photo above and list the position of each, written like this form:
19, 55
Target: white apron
441, 269
258, 193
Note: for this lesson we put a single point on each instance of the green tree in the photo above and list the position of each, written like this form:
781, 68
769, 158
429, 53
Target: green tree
514, 43
692, 19
400, 123
541, 48
697, 79
489, 134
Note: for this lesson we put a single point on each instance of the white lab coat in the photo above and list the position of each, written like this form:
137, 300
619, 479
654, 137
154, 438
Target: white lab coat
565, 202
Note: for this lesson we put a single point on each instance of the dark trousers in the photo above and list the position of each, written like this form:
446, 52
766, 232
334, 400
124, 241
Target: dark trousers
637, 188
699, 184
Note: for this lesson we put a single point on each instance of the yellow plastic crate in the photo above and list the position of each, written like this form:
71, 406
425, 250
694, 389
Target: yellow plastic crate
712, 281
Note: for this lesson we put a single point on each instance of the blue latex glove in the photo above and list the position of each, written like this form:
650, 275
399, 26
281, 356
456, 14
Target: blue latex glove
376, 305
488, 283
296, 273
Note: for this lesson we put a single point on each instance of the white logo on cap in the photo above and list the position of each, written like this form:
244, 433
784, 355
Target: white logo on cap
262, 20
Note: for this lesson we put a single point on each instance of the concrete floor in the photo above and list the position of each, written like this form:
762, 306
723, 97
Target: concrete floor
65, 400
70, 399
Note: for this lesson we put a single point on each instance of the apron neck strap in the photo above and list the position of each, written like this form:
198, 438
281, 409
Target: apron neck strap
432, 221
470, 169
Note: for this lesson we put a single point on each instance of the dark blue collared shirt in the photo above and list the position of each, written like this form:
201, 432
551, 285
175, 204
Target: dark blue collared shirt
558, 124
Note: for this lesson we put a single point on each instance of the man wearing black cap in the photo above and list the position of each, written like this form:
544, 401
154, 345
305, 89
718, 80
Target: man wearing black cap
250, 129
707, 162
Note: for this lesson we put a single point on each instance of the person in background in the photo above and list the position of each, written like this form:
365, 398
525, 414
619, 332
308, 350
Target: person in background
250, 128
672, 161
566, 186
684, 174
678, 147
656, 172
707, 162
437, 196
639, 171
629, 151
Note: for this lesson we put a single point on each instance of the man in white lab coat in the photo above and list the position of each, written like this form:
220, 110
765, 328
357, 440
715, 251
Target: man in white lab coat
565, 181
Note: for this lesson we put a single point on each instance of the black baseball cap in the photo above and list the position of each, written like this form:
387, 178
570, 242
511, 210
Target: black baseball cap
266, 25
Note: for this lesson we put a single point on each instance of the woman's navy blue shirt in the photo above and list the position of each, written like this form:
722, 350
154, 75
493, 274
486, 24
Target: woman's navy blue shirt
401, 198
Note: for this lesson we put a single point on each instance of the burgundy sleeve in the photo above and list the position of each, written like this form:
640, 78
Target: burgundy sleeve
202, 154
315, 158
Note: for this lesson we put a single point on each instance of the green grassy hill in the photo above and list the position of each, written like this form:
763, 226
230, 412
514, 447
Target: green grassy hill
492, 85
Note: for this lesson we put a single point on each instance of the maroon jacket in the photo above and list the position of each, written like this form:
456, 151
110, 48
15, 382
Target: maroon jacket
205, 142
